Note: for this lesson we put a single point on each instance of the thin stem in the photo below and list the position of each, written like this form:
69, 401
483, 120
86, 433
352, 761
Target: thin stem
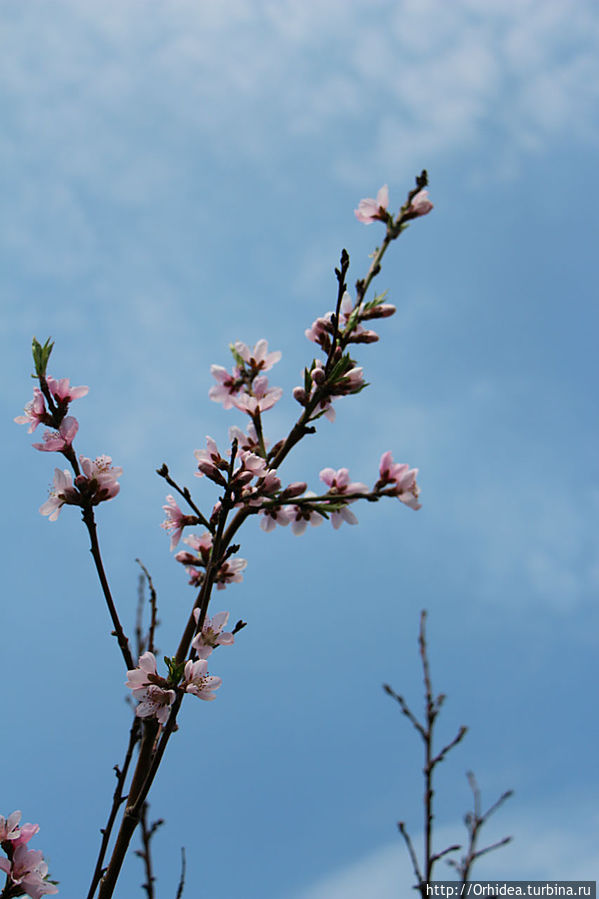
145, 853
132, 811
117, 800
153, 611
90, 523
182, 878
184, 492
150, 755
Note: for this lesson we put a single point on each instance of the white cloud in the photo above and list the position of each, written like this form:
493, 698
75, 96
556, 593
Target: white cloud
542, 848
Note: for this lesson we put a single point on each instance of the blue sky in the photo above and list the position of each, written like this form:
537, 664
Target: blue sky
180, 175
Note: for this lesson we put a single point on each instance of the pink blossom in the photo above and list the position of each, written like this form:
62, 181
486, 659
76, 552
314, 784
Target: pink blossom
302, 516
145, 674
198, 682
320, 331
35, 412
211, 634
28, 870
261, 398
27, 831
9, 827
196, 577
61, 492
275, 515
351, 382
151, 689
56, 442
339, 484
210, 461
176, 520
268, 485
253, 464
325, 407
420, 205
338, 481
370, 210
99, 478
258, 359
202, 545
403, 477
62, 391
155, 703
228, 385
230, 573
247, 440
381, 310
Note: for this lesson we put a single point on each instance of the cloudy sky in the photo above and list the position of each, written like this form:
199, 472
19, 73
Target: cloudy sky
180, 175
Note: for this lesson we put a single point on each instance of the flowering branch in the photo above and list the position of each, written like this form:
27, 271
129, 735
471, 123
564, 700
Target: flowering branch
248, 481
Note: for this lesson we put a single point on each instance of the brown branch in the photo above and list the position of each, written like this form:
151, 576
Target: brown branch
145, 853
475, 821
182, 878
87, 513
153, 609
117, 800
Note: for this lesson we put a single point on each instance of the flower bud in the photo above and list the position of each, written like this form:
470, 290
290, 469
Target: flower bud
299, 394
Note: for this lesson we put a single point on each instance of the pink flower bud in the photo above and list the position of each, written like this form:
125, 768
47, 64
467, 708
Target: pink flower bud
299, 394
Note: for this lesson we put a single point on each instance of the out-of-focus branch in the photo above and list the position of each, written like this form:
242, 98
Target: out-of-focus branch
474, 820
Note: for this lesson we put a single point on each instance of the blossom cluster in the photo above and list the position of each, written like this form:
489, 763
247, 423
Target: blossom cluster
292, 505
247, 476
25, 869
246, 387
156, 694
97, 483
93, 481
375, 210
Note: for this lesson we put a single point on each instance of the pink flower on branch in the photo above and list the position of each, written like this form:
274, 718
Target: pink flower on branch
420, 205
35, 412
246, 440
227, 385
246, 387
153, 692
402, 478
99, 478
259, 398
62, 391
156, 703
61, 492
9, 827
198, 682
202, 546
339, 484
97, 484
248, 466
176, 520
258, 359
212, 634
302, 516
57, 442
27, 870
145, 674
370, 210
211, 463
271, 516
27, 831
230, 573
